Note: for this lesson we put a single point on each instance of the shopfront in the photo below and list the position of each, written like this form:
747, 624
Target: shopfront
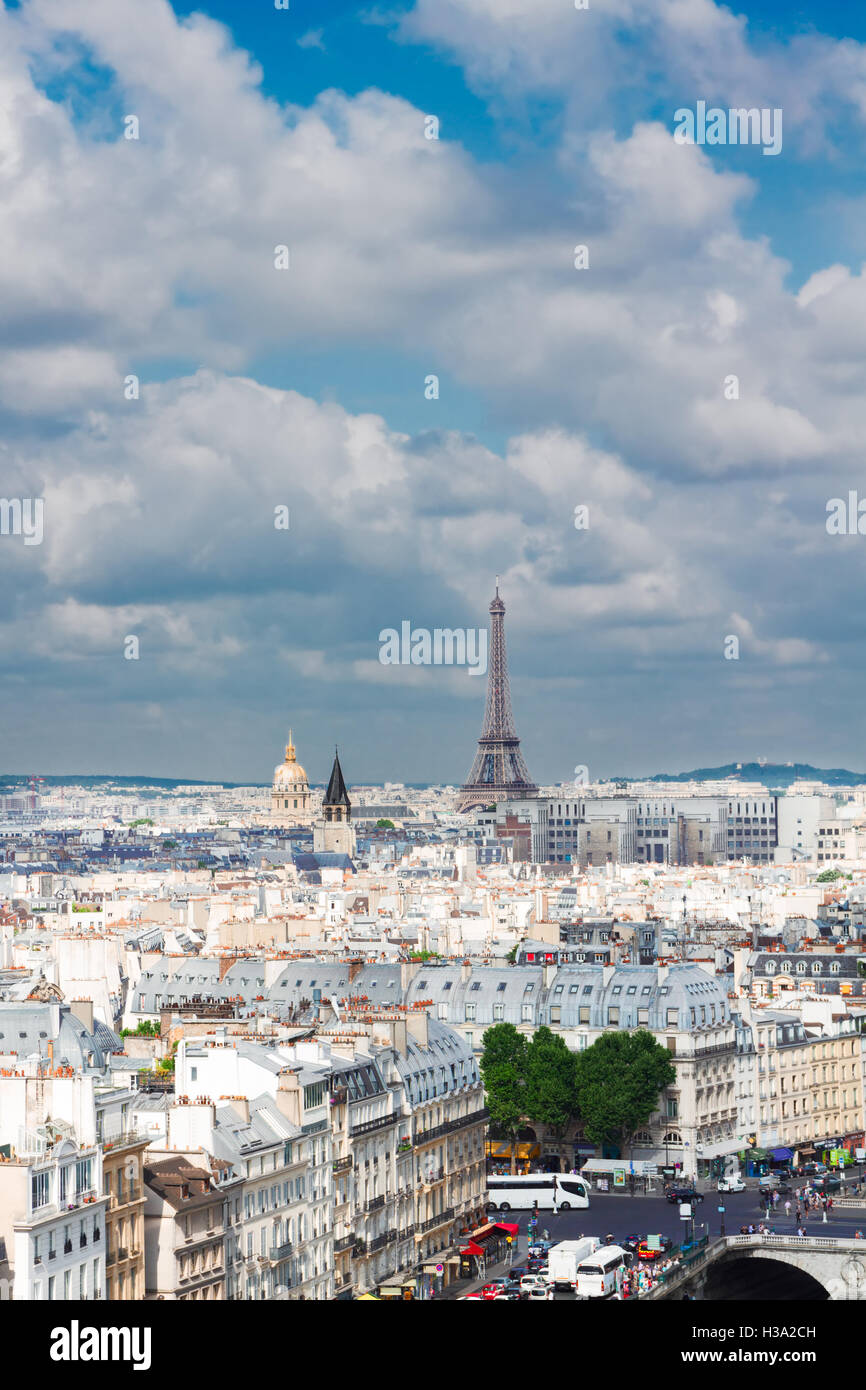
485, 1247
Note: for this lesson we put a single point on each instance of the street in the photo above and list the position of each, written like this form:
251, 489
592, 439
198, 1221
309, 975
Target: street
622, 1215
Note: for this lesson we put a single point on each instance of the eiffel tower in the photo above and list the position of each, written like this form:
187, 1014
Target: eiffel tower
498, 772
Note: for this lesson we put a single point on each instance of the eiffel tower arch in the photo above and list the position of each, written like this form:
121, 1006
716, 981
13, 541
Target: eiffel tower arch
498, 772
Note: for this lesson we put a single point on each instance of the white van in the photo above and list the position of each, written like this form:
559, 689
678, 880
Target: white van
731, 1182
597, 1274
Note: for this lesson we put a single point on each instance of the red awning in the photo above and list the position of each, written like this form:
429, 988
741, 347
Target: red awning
509, 1227
472, 1249
485, 1234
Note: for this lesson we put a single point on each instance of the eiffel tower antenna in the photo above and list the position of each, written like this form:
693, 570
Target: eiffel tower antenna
498, 772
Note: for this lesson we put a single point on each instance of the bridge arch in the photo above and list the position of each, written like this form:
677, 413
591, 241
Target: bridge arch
757, 1275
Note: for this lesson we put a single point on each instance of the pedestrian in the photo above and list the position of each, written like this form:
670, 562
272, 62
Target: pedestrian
829, 1203
858, 1235
802, 1231
788, 1206
798, 1214
775, 1198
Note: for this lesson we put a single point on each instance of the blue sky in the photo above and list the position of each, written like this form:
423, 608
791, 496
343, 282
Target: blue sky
557, 386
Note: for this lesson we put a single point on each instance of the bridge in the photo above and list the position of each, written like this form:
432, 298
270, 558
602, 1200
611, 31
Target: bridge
835, 1267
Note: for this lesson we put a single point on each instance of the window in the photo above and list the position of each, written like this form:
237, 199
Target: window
613, 1015
314, 1095
526, 1013
82, 1175
673, 1018
470, 1013
39, 1189
583, 1014
672, 1108
498, 1011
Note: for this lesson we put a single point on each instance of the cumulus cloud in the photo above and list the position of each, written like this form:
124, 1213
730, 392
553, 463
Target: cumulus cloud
121, 256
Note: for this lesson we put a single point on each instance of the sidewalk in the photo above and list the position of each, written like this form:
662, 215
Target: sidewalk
460, 1287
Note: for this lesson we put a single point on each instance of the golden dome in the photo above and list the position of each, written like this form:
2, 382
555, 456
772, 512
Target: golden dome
290, 773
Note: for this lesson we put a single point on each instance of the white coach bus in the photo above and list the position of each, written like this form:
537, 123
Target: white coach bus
520, 1191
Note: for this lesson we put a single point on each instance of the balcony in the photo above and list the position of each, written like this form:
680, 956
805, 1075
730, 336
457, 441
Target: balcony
344, 1243
369, 1125
343, 1165
434, 1221
282, 1251
125, 1140
374, 1204
462, 1122
378, 1242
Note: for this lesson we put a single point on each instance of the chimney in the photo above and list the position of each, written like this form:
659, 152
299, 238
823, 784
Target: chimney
288, 1095
465, 970
241, 1106
417, 1022
355, 965
82, 1009
607, 972
408, 970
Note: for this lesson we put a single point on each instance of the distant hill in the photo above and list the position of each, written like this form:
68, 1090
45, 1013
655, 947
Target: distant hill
771, 774
91, 781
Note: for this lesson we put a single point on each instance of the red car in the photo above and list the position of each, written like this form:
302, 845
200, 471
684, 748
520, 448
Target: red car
644, 1252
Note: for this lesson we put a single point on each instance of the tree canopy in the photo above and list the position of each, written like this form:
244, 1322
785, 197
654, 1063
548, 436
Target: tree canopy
619, 1081
551, 1089
503, 1072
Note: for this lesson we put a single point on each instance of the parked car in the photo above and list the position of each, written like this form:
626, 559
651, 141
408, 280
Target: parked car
683, 1194
809, 1170
732, 1183
827, 1182
773, 1182
632, 1242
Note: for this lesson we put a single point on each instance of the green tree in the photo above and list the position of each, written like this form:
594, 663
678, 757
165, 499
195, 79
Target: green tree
619, 1081
503, 1072
551, 1081
384, 825
829, 876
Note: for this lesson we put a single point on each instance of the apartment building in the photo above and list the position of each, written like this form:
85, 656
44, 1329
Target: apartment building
373, 1178
123, 1186
594, 830
751, 828
286, 1164
52, 1216
685, 1007
266, 1188
184, 1230
798, 1089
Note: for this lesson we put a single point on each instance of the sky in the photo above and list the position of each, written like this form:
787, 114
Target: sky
244, 476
